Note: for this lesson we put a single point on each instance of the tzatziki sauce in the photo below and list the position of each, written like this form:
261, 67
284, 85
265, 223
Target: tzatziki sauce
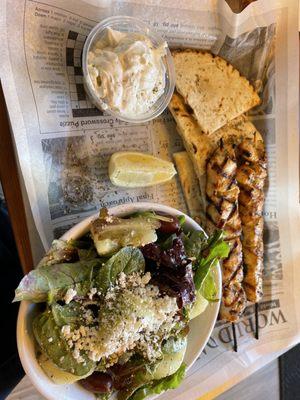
127, 71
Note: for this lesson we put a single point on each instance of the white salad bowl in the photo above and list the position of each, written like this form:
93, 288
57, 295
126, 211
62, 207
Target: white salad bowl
200, 327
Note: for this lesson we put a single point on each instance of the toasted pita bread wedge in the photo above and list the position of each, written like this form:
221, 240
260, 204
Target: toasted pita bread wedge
201, 146
215, 91
189, 183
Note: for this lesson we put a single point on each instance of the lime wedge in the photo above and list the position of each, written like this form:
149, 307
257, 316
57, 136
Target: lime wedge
132, 170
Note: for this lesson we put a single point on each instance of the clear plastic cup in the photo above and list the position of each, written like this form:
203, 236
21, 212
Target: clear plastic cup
129, 24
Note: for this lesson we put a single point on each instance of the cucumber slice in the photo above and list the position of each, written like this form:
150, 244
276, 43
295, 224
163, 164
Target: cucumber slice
112, 233
169, 364
58, 376
199, 306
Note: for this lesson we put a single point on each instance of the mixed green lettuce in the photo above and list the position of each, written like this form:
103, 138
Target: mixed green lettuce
59, 252
212, 251
67, 314
48, 335
160, 385
127, 260
143, 384
194, 243
50, 283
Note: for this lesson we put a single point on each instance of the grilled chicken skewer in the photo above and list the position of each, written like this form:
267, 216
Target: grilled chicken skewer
251, 175
222, 212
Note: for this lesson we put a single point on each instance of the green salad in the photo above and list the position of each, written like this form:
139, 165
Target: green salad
115, 305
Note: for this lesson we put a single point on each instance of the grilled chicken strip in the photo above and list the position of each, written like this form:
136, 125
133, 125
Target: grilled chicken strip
222, 212
251, 176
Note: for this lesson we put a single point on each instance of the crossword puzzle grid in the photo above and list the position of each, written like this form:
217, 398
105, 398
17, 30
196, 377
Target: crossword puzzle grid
80, 103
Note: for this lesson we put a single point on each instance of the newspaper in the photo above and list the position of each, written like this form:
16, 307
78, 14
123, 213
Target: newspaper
63, 143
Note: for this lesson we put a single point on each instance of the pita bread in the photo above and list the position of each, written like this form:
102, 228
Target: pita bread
215, 91
199, 145
189, 183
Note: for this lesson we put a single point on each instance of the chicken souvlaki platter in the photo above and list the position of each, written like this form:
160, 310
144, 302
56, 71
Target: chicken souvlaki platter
123, 307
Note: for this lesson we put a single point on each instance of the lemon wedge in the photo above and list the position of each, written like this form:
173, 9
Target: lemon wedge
133, 170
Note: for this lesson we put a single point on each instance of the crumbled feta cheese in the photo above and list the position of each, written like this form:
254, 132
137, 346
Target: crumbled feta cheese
77, 356
135, 317
82, 330
143, 312
65, 330
76, 353
50, 340
88, 316
92, 292
69, 296
146, 278
122, 279
94, 356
